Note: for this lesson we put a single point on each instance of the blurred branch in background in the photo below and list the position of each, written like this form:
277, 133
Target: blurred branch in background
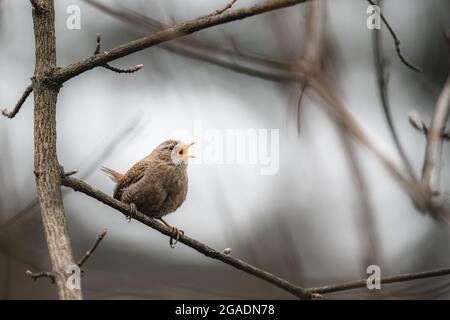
421, 126
364, 214
314, 52
385, 280
422, 202
315, 56
383, 78
434, 140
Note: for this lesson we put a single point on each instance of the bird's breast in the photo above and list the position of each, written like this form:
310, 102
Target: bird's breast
177, 187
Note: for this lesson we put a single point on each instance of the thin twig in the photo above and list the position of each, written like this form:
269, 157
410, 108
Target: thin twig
221, 10
70, 173
127, 70
11, 114
83, 187
225, 7
111, 68
418, 123
382, 77
386, 280
43, 274
98, 41
421, 126
397, 43
434, 141
92, 249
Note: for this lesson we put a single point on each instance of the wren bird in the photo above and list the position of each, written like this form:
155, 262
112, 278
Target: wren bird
157, 185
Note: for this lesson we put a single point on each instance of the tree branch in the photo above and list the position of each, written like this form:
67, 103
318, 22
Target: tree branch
382, 78
64, 74
43, 274
421, 126
83, 187
397, 43
240, 62
111, 68
70, 173
370, 244
92, 249
11, 114
48, 178
345, 118
434, 141
422, 201
386, 280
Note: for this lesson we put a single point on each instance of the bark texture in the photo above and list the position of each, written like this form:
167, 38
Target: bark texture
46, 166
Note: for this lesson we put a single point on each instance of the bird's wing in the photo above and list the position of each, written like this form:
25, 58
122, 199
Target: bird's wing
131, 177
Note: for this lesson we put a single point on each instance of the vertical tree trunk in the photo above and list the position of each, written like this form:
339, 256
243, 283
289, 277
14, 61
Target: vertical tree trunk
47, 170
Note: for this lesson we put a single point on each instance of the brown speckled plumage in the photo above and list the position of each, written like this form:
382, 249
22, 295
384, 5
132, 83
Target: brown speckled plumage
158, 184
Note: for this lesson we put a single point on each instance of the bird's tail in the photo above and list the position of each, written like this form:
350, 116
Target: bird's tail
113, 175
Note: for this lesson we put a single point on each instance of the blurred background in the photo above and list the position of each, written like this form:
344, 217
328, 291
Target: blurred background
317, 221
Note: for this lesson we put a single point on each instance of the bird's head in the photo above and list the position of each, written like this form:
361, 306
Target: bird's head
173, 152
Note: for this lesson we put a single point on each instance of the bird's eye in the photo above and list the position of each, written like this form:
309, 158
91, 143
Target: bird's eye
171, 148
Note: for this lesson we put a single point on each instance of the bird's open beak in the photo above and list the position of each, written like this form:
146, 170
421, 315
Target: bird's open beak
184, 151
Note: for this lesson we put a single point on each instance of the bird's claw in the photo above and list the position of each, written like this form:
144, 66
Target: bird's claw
175, 233
133, 211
